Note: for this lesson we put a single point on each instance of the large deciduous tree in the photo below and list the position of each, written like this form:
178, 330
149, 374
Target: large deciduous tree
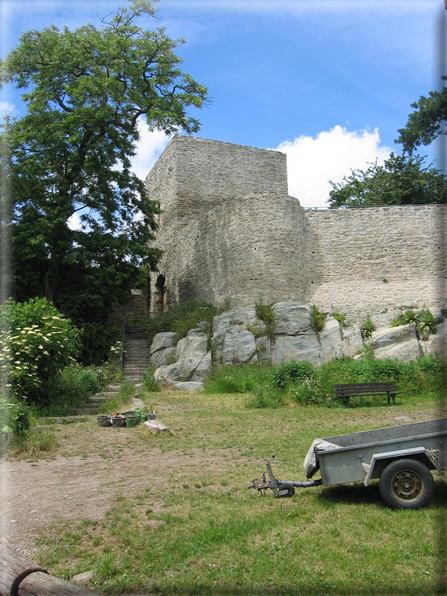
401, 180
427, 121
69, 156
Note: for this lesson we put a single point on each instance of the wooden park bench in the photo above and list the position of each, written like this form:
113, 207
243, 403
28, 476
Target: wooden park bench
348, 390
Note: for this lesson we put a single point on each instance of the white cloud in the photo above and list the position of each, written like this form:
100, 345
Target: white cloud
149, 148
74, 223
7, 108
312, 162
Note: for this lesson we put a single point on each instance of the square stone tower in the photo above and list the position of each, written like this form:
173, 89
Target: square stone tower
223, 219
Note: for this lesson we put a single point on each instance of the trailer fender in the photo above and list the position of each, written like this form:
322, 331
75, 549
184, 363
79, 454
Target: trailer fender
389, 455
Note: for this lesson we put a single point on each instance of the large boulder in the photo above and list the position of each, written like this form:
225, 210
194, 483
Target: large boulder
193, 360
162, 341
352, 341
163, 357
194, 346
239, 346
292, 318
399, 343
392, 336
296, 347
404, 351
330, 341
436, 344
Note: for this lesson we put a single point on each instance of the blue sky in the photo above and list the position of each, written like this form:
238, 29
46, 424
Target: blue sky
328, 82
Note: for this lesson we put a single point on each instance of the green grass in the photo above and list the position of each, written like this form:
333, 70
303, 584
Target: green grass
197, 529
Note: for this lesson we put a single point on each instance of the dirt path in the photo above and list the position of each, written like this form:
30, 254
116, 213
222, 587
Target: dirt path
85, 482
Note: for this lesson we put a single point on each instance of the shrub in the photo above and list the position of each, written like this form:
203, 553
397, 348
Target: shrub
340, 317
291, 372
405, 318
426, 324
38, 342
266, 314
68, 390
368, 327
424, 320
14, 421
317, 320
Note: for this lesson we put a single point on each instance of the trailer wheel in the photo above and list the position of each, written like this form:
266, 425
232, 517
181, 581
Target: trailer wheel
286, 491
406, 484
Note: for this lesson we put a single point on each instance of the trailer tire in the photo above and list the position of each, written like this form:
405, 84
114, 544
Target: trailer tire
406, 484
285, 491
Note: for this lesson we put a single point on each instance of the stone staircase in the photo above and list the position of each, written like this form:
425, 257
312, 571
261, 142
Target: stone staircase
136, 362
136, 359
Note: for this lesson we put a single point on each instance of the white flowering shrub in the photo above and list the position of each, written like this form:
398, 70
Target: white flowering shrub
37, 343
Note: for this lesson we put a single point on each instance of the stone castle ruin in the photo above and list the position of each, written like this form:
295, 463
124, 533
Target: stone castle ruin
230, 230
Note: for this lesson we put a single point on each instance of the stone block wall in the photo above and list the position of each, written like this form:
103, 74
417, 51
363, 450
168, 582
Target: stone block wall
243, 249
380, 260
230, 230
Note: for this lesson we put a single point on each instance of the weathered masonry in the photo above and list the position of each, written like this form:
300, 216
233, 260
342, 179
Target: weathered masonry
230, 230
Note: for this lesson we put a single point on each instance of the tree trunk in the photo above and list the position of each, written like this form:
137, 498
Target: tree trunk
13, 565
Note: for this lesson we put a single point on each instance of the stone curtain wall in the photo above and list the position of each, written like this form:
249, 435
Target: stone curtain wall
229, 230
380, 259
243, 249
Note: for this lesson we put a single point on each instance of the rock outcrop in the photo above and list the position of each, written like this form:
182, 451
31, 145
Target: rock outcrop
239, 337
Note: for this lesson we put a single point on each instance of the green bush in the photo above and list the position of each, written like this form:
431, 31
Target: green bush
405, 318
291, 372
368, 327
265, 397
424, 320
69, 389
317, 320
14, 421
38, 342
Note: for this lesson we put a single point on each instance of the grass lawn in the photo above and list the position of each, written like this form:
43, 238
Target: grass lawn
197, 529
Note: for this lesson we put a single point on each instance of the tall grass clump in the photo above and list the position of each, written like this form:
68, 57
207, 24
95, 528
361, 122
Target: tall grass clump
150, 383
238, 379
119, 402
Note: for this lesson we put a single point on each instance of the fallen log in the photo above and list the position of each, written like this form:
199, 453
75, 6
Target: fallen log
20, 577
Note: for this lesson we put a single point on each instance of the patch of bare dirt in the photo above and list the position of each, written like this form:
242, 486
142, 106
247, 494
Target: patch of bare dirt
93, 467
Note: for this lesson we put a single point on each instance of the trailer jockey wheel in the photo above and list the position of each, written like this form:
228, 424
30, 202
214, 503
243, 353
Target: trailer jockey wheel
286, 491
406, 484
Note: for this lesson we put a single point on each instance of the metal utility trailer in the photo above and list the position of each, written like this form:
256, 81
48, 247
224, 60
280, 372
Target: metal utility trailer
401, 457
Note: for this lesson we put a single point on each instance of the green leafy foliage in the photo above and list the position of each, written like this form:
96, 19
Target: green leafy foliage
317, 320
288, 373
149, 382
405, 318
68, 158
301, 382
38, 342
266, 314
368, 327
402, 180
426, 324
426, 122
340, 317
423, 319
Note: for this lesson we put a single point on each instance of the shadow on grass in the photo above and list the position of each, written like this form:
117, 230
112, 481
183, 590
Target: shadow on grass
359, 494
